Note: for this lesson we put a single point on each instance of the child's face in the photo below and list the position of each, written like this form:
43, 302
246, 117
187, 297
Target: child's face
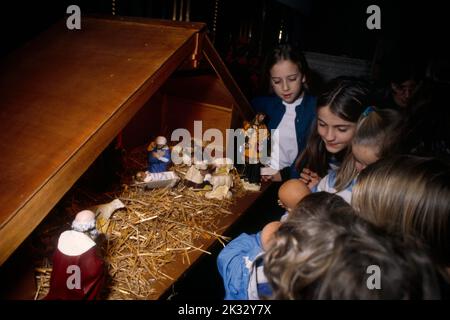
336, 132
364, 155
403, 92
287, 80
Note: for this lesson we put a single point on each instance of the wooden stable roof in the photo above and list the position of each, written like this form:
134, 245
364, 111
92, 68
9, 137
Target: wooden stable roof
65, 95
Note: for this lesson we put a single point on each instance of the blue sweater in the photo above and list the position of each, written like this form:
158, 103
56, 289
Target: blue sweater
238, 266
274, 108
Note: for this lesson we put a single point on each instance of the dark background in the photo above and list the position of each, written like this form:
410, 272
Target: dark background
243, 31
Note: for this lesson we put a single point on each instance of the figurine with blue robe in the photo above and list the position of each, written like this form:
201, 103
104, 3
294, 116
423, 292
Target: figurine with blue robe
158, 155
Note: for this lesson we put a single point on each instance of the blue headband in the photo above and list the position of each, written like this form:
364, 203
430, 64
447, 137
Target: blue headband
368, 110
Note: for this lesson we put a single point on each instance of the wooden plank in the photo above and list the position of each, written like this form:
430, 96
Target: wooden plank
211, 116
177, 268
205, 88
156, 22
64, 97
241, 104
143, 127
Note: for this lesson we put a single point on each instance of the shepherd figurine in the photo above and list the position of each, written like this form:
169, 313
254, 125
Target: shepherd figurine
256, 136
78, 271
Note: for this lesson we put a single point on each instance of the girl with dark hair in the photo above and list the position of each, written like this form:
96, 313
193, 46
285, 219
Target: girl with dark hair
338, 109
290, 111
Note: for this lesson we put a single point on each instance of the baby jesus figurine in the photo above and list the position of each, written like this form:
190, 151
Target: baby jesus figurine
289, 196
78, 272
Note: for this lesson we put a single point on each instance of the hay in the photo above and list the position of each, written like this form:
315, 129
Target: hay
155, 228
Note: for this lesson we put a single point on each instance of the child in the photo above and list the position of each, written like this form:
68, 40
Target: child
338, 109
408, 195
236, 262
324, 251
403, 76
291, 110
377, 135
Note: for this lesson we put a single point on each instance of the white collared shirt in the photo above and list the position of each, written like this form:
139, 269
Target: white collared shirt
285, 144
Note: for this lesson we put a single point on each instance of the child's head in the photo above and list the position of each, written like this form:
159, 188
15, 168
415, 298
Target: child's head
405, 77
377, 135
324, 251
291, 192
338, 110
408, 195
288, 71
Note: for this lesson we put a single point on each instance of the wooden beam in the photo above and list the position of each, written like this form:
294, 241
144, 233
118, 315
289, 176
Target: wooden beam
28, 192
241, 105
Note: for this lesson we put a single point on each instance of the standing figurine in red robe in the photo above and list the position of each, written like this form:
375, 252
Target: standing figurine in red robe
78, 272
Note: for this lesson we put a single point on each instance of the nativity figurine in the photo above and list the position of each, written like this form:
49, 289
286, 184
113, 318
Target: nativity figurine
78, 271
256, 141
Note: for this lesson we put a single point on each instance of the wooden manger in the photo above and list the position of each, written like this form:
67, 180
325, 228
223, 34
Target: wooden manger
66, 95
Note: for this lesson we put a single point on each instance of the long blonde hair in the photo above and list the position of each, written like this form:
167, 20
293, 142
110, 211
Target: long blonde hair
408, 195
377, 128
323, 249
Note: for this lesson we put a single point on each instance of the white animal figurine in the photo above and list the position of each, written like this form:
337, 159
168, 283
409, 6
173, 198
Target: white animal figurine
104, 211
221, 180
221, 187
194, 176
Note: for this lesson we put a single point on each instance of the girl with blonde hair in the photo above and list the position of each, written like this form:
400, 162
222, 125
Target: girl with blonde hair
324, 251
408, 195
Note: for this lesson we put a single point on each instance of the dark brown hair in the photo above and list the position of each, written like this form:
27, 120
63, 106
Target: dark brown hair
347, 98
281, 53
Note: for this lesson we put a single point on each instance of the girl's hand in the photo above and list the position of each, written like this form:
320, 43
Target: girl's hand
310, 178
275, 177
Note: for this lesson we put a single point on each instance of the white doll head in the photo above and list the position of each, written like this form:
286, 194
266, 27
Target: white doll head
85, 222
161, 141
